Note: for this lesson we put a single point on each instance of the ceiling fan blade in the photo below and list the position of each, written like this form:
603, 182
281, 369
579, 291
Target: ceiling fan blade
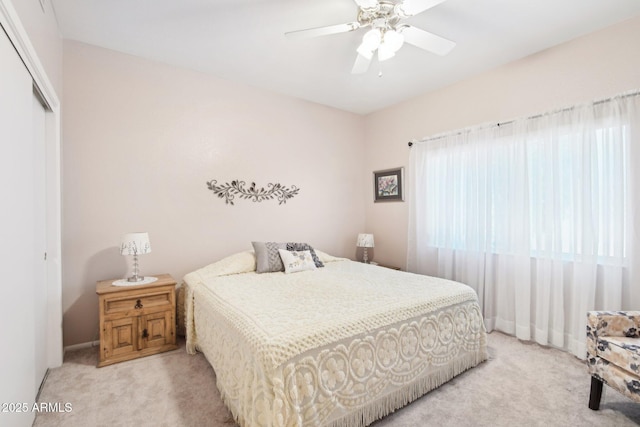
414, 7
323, 31
427, 41
361, 65
366, 4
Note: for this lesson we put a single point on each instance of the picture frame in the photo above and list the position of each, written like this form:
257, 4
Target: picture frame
388, 185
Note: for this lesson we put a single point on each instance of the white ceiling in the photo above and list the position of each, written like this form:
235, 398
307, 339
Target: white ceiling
243, 40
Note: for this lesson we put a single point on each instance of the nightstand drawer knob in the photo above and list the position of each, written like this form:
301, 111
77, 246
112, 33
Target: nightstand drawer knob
138, 304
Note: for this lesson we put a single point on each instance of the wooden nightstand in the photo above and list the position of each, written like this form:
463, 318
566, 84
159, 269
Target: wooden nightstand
136, 321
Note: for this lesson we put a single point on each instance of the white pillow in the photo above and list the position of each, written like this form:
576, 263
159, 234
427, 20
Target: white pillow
325, 257
295, 261
242, 262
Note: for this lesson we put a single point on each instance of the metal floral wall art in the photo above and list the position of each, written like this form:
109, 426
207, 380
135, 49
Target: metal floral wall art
228, 191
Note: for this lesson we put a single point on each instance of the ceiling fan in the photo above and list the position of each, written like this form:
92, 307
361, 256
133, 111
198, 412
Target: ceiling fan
388, 31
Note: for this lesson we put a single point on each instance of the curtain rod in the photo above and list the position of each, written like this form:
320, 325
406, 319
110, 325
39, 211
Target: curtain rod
537, 116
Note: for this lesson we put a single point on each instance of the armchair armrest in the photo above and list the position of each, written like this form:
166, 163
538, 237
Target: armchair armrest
613, 324
609, 324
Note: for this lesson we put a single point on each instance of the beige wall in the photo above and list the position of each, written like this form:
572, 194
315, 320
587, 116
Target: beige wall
595, 66
141, 140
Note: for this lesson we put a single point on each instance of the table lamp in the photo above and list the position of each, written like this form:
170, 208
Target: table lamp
365, 241
135, 244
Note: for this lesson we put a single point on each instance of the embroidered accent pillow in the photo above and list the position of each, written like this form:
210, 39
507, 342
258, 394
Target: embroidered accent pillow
295, 261
267, 257
305, 247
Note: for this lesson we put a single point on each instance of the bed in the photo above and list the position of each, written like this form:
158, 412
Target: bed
341, 345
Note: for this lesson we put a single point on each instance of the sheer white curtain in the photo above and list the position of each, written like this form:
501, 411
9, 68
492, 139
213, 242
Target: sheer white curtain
537, 215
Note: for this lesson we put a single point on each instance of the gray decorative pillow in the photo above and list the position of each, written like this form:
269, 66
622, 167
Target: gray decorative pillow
267, 256
305, 247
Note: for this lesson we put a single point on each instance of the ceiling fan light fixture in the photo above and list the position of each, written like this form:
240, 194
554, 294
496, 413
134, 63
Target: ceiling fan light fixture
387, 30
371, 39
385, 52
393, 40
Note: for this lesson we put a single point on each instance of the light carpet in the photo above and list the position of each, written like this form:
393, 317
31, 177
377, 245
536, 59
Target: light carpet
521, 384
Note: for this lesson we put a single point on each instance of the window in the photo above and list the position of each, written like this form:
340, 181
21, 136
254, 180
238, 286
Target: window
550, 191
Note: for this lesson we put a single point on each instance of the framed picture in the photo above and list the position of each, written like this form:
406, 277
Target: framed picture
387, 185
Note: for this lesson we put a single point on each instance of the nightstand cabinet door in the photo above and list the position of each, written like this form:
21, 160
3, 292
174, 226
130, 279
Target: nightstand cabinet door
155, 330
121, 337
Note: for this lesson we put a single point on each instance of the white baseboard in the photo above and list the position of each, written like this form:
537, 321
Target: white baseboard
81, 346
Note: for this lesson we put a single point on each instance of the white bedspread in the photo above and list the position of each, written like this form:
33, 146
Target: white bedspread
344, 344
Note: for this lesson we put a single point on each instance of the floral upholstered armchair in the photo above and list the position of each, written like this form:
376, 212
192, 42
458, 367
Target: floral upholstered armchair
613, 353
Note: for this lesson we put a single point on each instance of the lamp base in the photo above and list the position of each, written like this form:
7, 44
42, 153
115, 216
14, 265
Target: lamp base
136, 270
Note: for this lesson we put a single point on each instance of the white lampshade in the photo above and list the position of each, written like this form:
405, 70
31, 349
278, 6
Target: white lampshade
393, 40
371, 39
365, 240
135, 244
385, 52
370, 42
